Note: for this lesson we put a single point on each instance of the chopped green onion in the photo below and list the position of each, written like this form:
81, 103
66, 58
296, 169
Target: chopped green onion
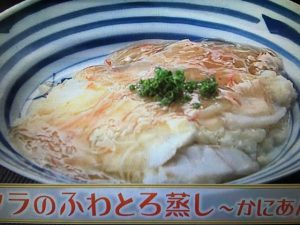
167, 87
196, 105
208, 87
132, 87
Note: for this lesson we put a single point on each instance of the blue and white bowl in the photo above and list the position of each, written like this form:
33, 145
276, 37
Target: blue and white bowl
49, 40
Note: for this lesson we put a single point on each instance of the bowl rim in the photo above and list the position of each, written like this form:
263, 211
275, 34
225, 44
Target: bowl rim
12, 10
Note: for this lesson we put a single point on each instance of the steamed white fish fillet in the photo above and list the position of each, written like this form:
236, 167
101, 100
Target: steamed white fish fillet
241, 121
203, 164
94, 128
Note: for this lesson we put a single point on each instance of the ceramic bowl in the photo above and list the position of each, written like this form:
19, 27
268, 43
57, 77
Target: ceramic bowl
49, 40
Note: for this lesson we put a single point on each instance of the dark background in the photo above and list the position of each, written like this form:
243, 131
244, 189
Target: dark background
5, 4
7, 176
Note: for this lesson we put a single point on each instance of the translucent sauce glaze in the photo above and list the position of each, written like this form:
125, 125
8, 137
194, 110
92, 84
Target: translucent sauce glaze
94, 128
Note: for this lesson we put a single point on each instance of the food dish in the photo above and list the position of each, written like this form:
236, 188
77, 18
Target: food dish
200, 112
25, 65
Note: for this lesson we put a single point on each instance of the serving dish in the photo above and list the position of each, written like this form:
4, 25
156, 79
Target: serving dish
49, 41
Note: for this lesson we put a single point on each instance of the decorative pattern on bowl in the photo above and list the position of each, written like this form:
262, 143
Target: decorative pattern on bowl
47, 41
